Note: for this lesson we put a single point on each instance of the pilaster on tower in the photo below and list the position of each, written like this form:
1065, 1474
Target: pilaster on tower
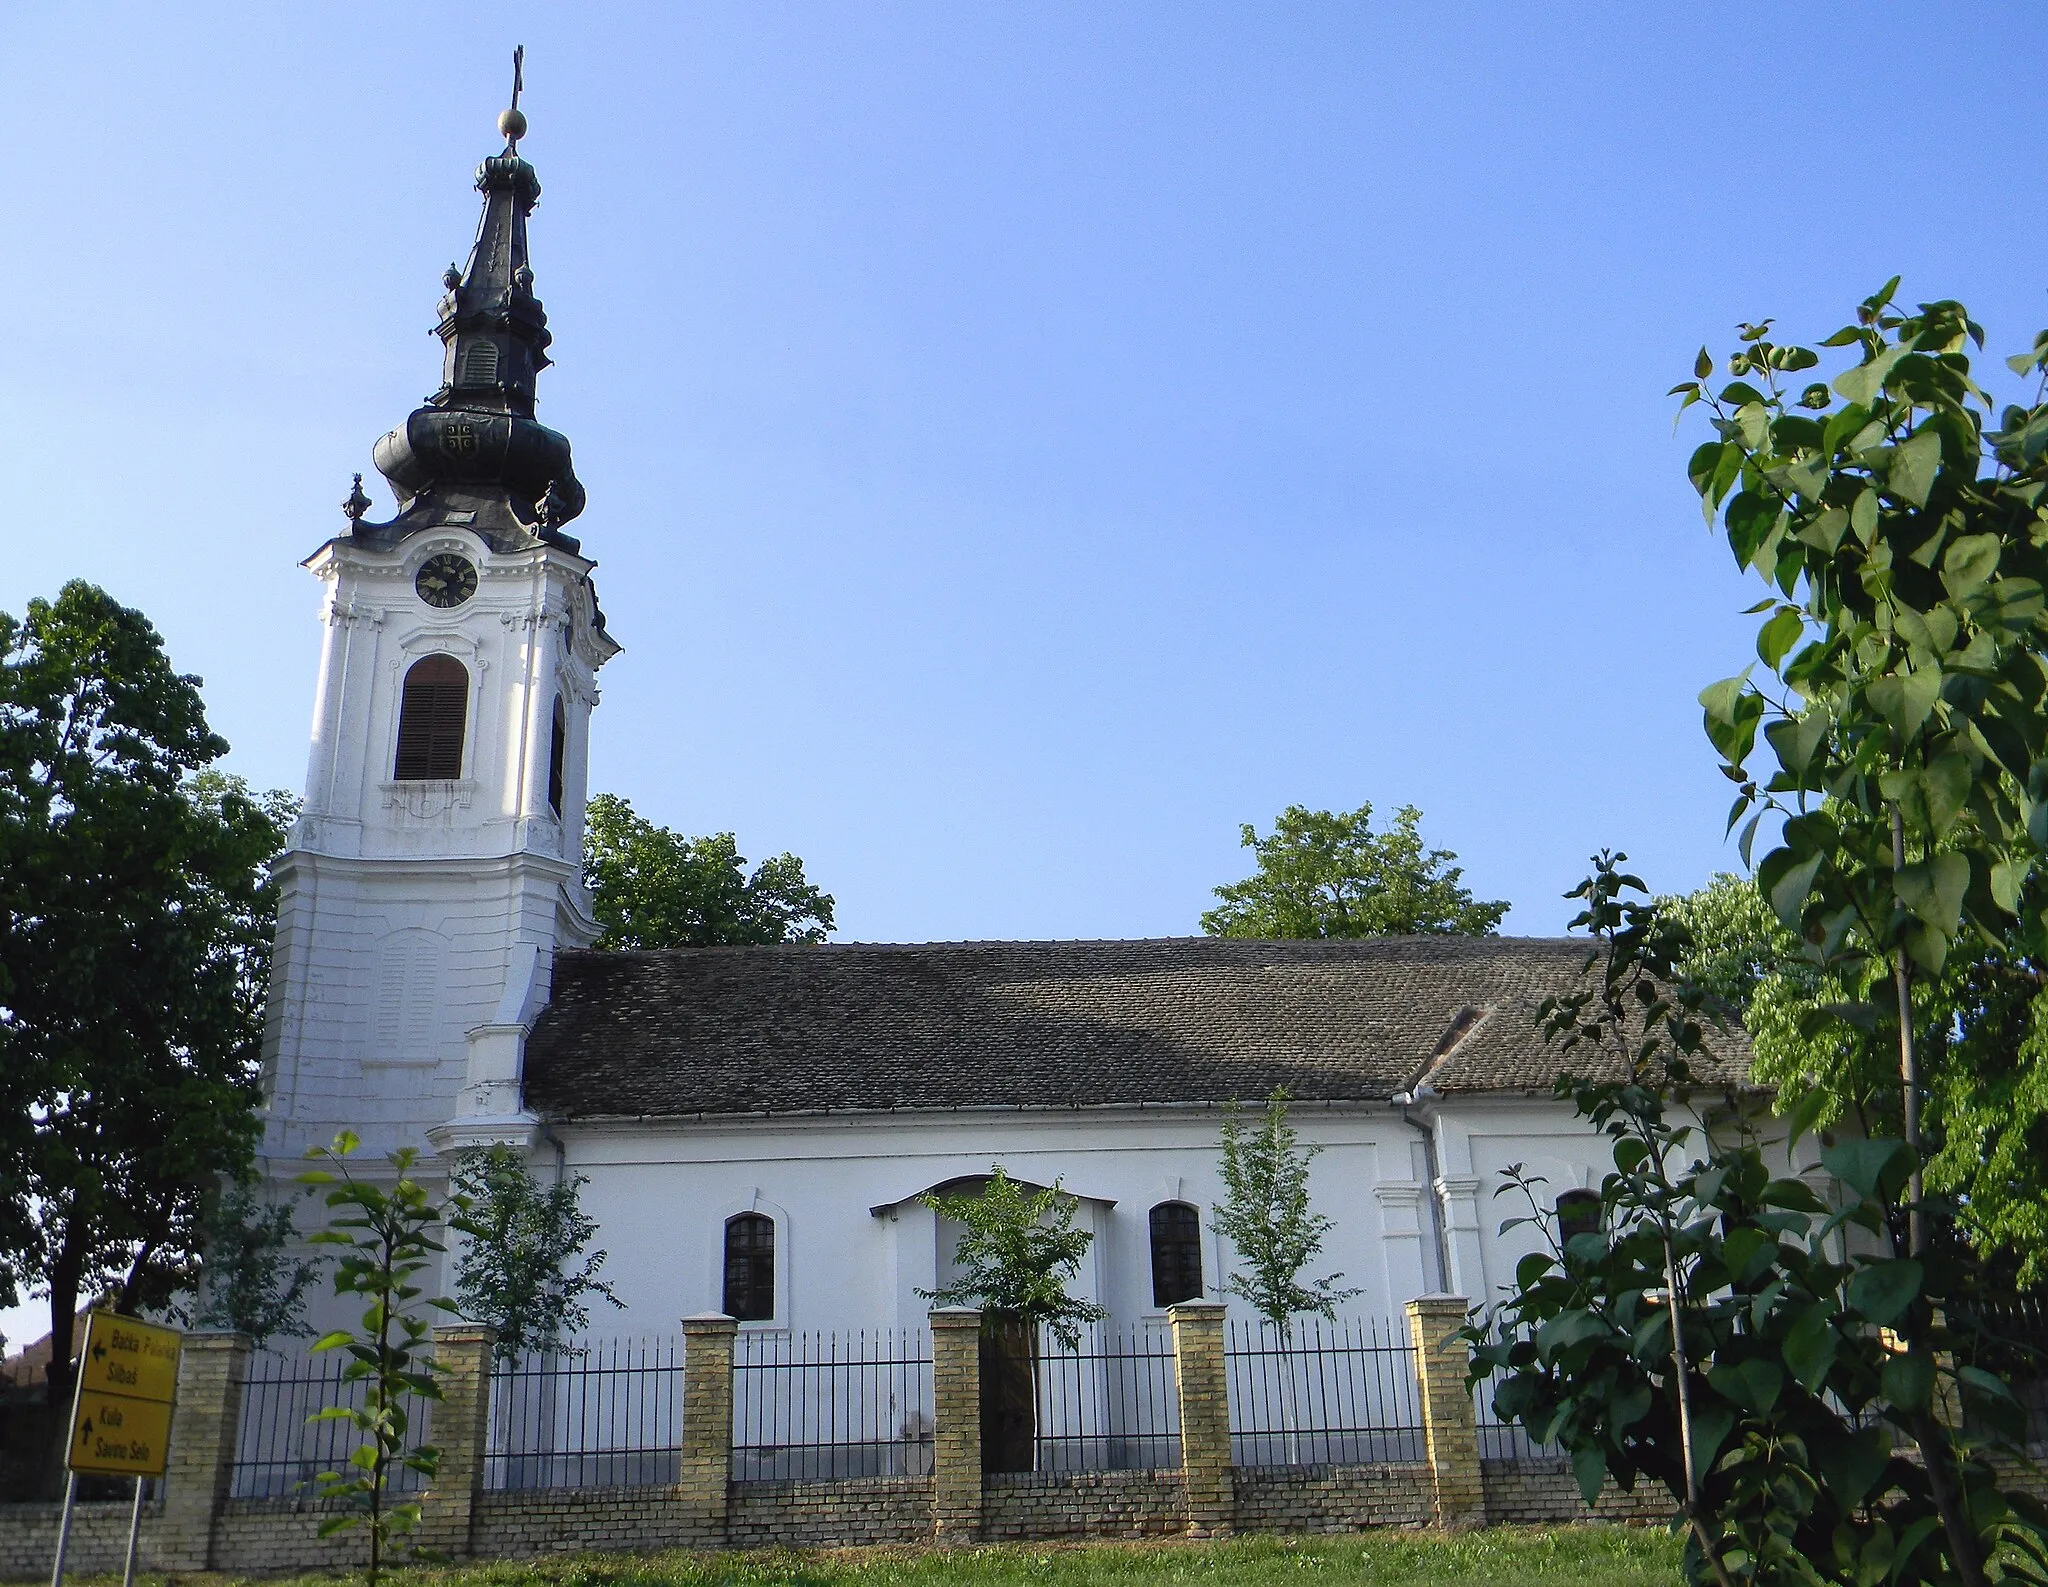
437, 865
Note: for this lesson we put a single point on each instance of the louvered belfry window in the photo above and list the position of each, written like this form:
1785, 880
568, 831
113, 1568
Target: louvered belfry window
1176, 1253
750, 1267
480, 365
432, 714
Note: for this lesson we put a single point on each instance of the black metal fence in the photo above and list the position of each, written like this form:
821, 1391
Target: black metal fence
280, 1449
815, 1406
1110, 1404
601, 1415
1322, 1393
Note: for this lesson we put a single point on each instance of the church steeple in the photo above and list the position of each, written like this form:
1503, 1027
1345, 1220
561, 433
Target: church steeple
474, 455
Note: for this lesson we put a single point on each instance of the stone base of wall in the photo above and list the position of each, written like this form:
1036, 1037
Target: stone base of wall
1332, 1498
1016, 1506
865, 1510
1543, 1492
99, 1537
523, 1522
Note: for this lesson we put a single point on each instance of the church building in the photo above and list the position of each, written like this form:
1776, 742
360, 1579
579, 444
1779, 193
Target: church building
757, 1124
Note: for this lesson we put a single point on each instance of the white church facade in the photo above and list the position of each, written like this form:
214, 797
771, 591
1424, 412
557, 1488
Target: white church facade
756, 1124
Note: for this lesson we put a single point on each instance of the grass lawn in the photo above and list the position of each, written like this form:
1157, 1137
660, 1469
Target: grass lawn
1573, 1556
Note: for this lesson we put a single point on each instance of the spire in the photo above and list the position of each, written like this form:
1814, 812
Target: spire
474, 455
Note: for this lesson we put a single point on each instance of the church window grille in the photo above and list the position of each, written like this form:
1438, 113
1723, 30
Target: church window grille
1176, 1253
1578, 1212
750, 1267
480, 365
433, 711
558, 748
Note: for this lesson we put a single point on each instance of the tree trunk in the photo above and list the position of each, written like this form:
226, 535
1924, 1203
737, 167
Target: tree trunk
64, 1277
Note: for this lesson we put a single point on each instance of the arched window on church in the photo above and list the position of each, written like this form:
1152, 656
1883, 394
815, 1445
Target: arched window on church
750, 1267
480, 365
1578, 1212
1176, 1253
558, 749
432, 713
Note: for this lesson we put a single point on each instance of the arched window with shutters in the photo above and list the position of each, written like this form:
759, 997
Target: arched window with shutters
558, 749
750, 1267
1176, 1253
433, 712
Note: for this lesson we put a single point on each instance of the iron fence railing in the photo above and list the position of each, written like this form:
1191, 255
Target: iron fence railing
606, 1414
2010, 1339
1110, 1404
1322, 1393
280, 1449
815, 1406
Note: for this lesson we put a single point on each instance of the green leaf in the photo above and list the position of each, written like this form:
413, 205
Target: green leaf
1904, 698
1810, 1348
1754, 1384
1908, 1380
1933, 890
1850, 1463
1882, 1291
1711, 1425
1789, 889
1774, 641
1863, 515
1589, 1466
1945, 786
1914, 464
2008, 877
1861, 384
1875, 1169
1968, 564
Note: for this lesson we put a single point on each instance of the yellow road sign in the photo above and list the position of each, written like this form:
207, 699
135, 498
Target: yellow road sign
114, 1434
126, 1357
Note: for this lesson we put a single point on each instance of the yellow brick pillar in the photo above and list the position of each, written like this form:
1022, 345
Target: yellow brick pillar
213, 1369
956, 1411
706, 1474
1450, 1430
461, 1431
1204, 1416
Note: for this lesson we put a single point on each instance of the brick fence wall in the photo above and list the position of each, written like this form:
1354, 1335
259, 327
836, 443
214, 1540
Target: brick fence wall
197, 1526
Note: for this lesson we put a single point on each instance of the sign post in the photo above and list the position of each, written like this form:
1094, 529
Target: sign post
121, 1417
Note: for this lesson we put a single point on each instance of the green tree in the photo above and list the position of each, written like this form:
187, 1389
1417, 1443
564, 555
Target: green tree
1328, 874
1268, 1218
385, 1240
135, 923
1987, 1088
518, 1270
654, 888
1902, 533
1019, 1254
251, 1279
1718, 1335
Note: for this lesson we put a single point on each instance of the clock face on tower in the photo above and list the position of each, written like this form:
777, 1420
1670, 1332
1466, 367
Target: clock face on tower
445, 579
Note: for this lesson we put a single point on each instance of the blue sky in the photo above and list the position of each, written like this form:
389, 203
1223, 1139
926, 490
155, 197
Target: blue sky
1024, 441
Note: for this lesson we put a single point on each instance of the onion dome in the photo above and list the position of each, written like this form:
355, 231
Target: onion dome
474, 455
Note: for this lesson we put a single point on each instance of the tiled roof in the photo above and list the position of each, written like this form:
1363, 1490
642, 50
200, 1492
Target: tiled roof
857, 1026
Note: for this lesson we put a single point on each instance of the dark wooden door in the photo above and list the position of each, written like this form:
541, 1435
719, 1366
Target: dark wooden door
1009, 1401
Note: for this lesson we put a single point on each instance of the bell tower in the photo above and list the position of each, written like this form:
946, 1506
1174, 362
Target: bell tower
436, 867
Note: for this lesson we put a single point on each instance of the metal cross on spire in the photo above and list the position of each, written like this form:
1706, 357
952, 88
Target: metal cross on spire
513, 122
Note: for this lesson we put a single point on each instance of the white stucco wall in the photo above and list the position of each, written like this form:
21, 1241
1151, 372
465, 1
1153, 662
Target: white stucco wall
661, 1192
